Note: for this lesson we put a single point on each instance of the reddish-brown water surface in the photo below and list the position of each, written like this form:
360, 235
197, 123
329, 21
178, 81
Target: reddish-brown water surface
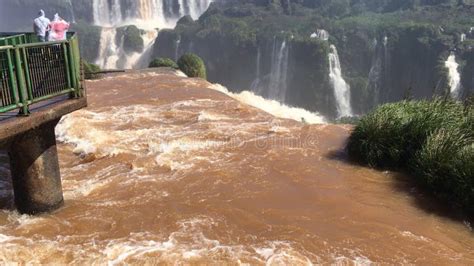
163, 169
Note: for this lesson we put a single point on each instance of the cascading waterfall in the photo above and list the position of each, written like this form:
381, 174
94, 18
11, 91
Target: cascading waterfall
153, 13
377, 72
256, 81
342, 91
197, 7
143, 59
145, 14
108, 50
112, 54
454, 76
275, 84
106, 13
278, 77
320, 34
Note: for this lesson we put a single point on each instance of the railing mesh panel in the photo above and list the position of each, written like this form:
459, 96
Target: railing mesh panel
6, 97
47, 70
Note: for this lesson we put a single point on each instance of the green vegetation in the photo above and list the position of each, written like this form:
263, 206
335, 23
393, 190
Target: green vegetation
192, 65
163, 62
132, 39
434, 140
406, 41
90, 70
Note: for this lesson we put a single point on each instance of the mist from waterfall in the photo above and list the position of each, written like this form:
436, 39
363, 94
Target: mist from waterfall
342, 91
454, 77
145, 14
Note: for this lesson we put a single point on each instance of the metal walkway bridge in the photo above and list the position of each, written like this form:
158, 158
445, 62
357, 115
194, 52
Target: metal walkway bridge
39, 83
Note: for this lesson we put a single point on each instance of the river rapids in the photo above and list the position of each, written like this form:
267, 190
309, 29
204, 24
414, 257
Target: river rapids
164, 169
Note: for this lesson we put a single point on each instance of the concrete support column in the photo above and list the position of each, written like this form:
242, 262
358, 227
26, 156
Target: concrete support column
35, 170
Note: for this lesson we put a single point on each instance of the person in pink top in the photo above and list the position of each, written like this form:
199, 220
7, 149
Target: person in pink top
58, 28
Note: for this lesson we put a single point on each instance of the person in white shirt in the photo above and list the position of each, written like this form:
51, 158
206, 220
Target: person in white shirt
41, 26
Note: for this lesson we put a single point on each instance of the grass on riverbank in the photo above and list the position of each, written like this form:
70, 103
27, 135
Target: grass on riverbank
433, 140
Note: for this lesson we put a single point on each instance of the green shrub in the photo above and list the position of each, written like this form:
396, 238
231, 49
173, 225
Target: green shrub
163, 62
90, 70
434, 140
132, 39
390, 136
192, 65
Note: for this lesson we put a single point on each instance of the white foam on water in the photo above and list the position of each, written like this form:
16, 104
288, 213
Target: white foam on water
84, 188
273, 107
180, 73
410, 235
173, 154
210, 116
19, 220
281, 253
188, 243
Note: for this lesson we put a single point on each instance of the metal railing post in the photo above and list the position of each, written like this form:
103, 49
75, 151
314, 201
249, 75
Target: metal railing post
21, 83
12, 81
26, 68
67, 64
73, 70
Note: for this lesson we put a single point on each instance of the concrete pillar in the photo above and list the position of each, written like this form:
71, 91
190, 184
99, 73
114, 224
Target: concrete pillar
35, 170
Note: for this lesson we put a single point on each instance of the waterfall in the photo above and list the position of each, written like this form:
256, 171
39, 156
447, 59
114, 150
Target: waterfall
112, 54
376, 74
454, 76
320, 34
197, 7
279, 71
108, 50
275, 84
145, 14
256, 81
341, 88
144, 58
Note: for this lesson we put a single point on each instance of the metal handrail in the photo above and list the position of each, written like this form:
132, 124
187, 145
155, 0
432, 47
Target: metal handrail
35, 72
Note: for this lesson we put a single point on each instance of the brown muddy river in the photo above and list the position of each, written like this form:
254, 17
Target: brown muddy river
160, 169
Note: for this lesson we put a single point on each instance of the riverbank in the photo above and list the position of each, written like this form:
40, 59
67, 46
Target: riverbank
165, 169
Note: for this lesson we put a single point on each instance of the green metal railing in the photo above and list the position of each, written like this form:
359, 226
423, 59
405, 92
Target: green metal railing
32, 71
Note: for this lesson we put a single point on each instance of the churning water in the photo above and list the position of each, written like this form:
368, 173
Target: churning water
162, 169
